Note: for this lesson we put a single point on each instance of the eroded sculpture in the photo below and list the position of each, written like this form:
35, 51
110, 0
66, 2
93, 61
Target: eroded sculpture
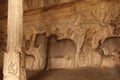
85, 26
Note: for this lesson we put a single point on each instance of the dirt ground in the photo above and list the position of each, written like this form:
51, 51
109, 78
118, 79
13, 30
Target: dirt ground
78, 74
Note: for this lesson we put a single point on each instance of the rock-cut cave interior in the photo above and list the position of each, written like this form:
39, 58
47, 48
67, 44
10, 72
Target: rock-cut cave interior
61, 39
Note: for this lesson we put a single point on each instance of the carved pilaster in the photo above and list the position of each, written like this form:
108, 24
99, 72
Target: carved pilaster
14, 67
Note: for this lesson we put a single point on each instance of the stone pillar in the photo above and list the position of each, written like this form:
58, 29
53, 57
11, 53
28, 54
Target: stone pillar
14, 62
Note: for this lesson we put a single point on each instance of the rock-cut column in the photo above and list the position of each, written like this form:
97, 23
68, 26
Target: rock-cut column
14, 62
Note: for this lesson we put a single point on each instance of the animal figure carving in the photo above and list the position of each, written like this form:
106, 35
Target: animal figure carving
64, 48
110, 45
109, 49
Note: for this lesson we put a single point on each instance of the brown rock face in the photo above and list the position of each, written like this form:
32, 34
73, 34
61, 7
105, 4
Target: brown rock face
79, 27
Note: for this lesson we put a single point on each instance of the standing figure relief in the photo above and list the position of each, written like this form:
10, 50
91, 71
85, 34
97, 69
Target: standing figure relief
35, 49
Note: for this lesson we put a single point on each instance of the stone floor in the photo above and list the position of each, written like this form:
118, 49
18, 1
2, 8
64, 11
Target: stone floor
79, 74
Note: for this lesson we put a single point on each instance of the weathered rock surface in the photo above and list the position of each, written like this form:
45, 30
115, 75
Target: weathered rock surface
84, 22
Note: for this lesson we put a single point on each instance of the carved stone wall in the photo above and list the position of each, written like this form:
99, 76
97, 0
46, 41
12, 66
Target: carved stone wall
86, 25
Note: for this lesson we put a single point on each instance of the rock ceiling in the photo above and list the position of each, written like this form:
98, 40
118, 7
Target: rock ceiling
32, 4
